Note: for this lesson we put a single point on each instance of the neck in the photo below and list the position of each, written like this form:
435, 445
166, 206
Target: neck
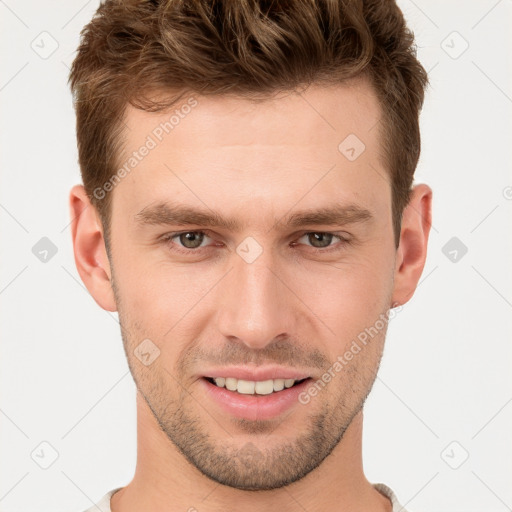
164, 480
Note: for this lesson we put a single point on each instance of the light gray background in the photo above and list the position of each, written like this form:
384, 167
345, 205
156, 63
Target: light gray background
443, 391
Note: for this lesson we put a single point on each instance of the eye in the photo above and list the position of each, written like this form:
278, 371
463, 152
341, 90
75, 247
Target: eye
322, 241
186, 241
191, 242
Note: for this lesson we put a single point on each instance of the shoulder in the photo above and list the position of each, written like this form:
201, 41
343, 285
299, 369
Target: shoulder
104, 504
388, 492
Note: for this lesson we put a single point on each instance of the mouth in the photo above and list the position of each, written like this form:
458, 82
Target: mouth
251, 387
254, 400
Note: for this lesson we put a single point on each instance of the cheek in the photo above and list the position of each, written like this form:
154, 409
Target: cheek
169, 304
347, 296
166, 290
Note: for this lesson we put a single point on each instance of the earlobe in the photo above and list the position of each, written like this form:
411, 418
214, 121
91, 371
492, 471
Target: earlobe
412, 250
89, 249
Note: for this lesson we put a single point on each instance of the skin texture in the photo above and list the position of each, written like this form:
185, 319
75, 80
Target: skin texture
257, 164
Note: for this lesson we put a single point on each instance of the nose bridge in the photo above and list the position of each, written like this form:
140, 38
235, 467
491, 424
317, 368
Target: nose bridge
253, 306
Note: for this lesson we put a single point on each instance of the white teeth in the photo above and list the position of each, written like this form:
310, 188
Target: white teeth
231, 383
250, 387
220, 381
278, 384
246, 387
264, 387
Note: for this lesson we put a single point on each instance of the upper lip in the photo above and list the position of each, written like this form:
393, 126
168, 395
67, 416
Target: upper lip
258, 373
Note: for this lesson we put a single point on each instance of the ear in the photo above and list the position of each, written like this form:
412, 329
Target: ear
412, 250
89, 248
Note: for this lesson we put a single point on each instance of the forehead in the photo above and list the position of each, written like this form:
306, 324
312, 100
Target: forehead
229, 151
307, 116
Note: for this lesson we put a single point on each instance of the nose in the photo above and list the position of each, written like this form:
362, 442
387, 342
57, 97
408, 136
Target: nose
255, 304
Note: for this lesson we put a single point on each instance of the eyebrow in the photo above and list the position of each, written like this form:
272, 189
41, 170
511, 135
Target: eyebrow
164, 213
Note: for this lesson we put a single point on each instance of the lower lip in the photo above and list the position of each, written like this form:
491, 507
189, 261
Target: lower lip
255, 407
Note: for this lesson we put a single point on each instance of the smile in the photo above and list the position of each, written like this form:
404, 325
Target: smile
250, 387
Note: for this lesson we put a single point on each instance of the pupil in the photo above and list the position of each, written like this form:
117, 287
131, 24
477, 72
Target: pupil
191, 240
325, 239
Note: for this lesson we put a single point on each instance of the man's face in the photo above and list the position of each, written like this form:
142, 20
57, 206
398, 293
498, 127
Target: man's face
260, 298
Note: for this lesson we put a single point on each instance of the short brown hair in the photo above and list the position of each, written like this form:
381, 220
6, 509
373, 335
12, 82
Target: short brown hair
132, 49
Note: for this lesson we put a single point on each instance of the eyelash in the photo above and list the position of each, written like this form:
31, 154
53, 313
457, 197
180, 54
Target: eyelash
167, 239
